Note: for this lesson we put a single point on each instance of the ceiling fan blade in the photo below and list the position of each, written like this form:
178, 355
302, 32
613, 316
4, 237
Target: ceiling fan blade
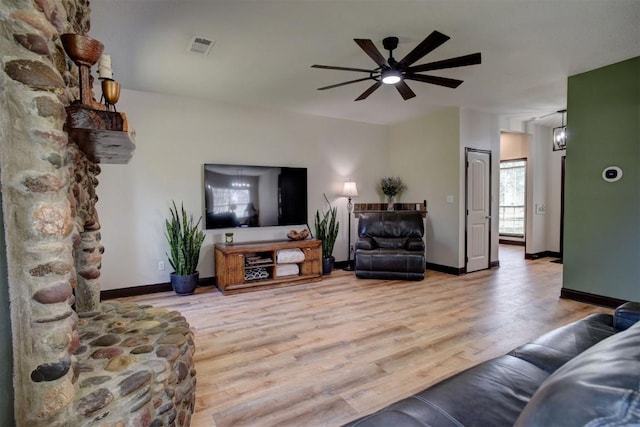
427, 45
331, 67
460, 61
404, 90
373, 52
369, 91
440, 81
345, 83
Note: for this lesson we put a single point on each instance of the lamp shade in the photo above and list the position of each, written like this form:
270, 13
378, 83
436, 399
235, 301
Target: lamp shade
350, 189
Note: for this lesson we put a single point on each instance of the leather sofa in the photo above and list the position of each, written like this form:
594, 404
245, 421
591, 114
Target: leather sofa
586, 373
390, 246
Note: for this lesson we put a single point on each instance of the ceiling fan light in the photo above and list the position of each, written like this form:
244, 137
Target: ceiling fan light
391, 77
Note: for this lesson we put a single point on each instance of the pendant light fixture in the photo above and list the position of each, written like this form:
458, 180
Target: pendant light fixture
560, 134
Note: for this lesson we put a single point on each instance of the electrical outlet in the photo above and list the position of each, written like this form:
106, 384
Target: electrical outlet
449, 199
161, 265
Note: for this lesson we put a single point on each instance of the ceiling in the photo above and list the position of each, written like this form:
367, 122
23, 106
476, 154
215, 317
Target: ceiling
264, 49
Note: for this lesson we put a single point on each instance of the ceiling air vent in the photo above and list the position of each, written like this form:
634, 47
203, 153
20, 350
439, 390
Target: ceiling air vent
200, 46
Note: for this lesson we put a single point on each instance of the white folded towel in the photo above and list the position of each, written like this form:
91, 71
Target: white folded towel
287, 270
286, 256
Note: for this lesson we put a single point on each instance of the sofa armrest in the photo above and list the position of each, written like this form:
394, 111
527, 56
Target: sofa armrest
366, 243
626, 315
555, 348
598, 387
415, 244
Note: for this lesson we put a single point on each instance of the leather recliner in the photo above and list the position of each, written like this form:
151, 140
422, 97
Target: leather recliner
390, 246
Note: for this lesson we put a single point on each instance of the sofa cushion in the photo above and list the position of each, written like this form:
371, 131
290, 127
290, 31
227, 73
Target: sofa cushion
391, 224
366, 243
390, 242
555, 348
415, 244
600, 387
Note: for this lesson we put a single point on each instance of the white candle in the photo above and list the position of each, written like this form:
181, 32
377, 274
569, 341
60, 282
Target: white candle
104, 67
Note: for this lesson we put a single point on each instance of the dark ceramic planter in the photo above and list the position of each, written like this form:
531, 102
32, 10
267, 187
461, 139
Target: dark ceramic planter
184, 285
327, 265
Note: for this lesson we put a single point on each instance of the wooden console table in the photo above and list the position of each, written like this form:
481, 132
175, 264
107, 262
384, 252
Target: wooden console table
233, 261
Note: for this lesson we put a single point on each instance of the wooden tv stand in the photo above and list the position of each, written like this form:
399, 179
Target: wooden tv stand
233, 261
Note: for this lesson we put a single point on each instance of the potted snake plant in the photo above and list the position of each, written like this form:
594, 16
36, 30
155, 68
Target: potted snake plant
185, 241
327, 227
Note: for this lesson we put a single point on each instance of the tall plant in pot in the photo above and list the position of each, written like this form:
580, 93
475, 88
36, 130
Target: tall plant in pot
327, 227
185, 241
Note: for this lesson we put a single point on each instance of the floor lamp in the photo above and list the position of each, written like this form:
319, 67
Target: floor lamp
350, 190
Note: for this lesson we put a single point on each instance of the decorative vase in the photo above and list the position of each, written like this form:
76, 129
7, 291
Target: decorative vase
184, 285
327, 265
390, 203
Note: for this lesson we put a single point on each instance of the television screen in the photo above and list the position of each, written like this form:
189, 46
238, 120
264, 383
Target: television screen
254, 196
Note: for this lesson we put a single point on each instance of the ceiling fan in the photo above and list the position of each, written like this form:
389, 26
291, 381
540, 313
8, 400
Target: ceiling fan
390, 71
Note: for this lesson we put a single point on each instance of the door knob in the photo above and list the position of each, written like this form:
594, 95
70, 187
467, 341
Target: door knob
488, 217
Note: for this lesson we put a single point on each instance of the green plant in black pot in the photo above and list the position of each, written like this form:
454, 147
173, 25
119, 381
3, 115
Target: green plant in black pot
327, 227
185, 240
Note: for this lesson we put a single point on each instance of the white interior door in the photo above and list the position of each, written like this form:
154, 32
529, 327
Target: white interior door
478, 210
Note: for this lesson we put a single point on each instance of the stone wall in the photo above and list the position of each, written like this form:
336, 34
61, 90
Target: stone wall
36, 167
75, 362
135, 367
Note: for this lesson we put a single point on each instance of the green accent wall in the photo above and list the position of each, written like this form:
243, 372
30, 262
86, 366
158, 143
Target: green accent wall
602, 219
6, 357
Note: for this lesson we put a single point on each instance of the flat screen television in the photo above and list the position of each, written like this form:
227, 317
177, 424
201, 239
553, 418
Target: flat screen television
254, 196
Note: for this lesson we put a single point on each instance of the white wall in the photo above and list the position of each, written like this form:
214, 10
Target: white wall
543, 187
480, 131
176, 136
553, 184
424, 153
513, 146
536, 192
428, 153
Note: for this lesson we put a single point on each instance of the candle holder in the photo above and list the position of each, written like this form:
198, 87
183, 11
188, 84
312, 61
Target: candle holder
110, 93
84, 52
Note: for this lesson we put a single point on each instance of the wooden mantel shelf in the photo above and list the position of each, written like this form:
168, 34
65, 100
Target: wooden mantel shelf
359, 208
104, 136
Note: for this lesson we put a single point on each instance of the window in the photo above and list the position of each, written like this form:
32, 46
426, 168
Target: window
512, 197
231, 200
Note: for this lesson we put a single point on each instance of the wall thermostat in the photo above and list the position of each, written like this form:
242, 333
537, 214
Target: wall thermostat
612, 173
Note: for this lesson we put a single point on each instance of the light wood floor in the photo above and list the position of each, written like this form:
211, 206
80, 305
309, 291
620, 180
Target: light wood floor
324, 353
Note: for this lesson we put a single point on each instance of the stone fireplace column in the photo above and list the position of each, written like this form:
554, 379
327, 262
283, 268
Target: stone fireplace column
86, 239
77, 362
35, 86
